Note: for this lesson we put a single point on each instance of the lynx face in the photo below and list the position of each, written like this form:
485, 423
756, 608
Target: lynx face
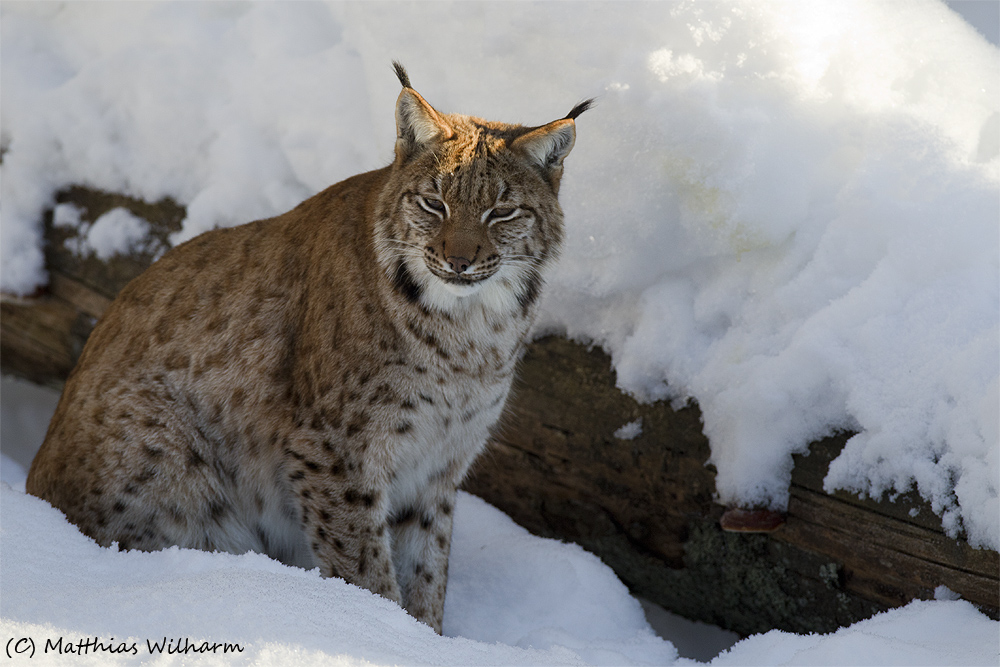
456, 238
476, 209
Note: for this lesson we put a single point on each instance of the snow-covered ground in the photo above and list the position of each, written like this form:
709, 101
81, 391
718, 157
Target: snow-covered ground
786, 210
513, 599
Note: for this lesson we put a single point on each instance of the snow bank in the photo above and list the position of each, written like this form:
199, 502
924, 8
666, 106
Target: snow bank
513, 599
786, 210
58, 583
542, 594
922, 633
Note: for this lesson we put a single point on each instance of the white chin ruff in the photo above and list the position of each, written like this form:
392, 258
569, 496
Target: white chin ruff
462, 290
493, 294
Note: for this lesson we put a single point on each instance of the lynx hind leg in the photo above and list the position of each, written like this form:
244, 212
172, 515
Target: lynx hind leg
148, 479
135, 480
149, 496
343, 515
421, 539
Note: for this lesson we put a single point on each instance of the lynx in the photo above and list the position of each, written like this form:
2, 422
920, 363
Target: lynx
315, 386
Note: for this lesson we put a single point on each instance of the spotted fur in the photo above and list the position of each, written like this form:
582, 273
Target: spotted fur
315, 386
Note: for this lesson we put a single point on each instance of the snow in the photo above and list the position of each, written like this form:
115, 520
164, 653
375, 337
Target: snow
922, 633
55, 578
630, 431
787, 211
25, 411
693, 639
983, 16
116, 232
513, 599
67, 215
57, 583
945, 593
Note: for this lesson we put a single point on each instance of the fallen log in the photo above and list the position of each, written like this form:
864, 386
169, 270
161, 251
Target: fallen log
644, 505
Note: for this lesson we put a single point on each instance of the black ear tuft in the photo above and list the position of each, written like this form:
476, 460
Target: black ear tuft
416, 121
579, 108
404, 78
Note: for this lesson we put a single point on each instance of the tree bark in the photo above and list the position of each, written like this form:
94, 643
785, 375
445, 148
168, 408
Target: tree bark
644, 505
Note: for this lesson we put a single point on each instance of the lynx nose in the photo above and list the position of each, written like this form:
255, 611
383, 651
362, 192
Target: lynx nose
458, 264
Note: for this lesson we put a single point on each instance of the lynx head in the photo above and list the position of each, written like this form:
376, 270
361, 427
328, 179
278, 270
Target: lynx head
470, 212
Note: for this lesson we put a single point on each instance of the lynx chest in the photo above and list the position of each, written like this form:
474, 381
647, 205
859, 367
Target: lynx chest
448, 396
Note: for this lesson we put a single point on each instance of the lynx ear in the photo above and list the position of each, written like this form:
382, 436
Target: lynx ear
548, 145
417, 123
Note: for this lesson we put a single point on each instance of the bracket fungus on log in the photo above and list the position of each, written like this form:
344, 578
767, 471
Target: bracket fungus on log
739, 520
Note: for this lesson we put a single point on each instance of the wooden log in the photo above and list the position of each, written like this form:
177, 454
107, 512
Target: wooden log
643, 505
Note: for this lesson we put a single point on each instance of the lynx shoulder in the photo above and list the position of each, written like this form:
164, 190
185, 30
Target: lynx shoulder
315, 386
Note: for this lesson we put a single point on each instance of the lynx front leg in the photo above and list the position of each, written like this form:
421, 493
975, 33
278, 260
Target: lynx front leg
344, 513
421, 538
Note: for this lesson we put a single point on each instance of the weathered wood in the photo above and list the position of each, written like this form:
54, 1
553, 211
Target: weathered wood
40, 341
644, 505
885, 559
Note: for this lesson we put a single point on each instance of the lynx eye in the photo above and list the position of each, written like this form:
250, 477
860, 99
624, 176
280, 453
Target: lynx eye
502, 213
434, 205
